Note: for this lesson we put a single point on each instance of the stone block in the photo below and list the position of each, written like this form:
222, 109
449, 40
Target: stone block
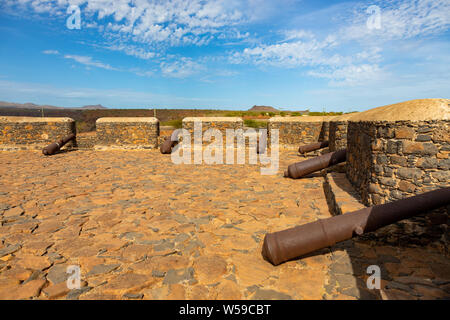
33, 132
127, 133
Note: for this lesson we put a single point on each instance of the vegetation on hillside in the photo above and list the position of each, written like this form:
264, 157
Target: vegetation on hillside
255, 124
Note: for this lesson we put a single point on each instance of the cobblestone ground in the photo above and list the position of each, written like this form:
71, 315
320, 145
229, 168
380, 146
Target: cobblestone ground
141, 227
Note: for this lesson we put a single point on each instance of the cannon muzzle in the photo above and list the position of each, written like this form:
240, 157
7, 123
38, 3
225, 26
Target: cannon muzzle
313, 147
288, 244
55, 147
168, 144
301, 169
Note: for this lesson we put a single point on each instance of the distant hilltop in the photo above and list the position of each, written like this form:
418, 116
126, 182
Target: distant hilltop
30, 105
263, 108
272, 109
93, 107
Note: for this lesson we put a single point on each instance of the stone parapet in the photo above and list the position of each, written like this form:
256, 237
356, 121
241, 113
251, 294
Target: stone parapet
127, 133
219, 123
22, 133
387, 160
296, 131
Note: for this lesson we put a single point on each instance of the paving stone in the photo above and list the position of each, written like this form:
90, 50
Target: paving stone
57, 274
268, 294
56, 291
74, 294
13, 212
127, 283
134, 296
102, 269
209, 269
29, 290
9, 249
181, 275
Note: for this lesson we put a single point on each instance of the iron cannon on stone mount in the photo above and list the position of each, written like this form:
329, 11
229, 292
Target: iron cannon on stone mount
293, 243
56, 146
301, 169
313, 147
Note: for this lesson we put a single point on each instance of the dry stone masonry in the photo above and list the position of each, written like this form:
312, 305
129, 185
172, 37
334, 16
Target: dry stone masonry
296, 131
338, 132
33, 132
127, 133
219, 123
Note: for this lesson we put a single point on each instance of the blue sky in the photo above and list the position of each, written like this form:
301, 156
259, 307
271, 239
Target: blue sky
224, 54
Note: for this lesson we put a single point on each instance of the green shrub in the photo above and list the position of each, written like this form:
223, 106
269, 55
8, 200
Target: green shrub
178, 123
255, 124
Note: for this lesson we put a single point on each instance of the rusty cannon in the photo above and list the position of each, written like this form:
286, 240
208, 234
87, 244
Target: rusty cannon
313, 147
170, 142
56, 146
292, 243
301, 169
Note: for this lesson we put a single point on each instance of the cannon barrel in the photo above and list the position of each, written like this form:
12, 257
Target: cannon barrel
313, 146
288, 244
300, 169
56, 146
168, 145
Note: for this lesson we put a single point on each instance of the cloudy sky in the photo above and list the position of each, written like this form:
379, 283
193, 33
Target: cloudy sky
229, 54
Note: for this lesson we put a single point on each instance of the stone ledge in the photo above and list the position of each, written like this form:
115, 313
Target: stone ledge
213, 119
35, 119
127, 119
302, 119
340, 194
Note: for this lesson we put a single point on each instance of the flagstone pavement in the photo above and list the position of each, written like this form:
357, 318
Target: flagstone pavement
141, 227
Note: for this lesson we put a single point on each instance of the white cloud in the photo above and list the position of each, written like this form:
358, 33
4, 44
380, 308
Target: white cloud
181, 68
399, 20
175, 22
133, 51
88, 61
352, 53
297, 34
351, 75
289, 54
53, 52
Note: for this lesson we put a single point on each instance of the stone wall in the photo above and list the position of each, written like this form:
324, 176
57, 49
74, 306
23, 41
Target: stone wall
338, 135
33, 132
220, 123
86, 140
297, 131
387, 161
127, 133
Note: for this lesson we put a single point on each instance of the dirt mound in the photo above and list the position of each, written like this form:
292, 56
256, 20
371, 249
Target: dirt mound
412, 110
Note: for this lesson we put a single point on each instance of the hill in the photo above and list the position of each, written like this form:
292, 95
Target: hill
263, 108
28, 105
93, 107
